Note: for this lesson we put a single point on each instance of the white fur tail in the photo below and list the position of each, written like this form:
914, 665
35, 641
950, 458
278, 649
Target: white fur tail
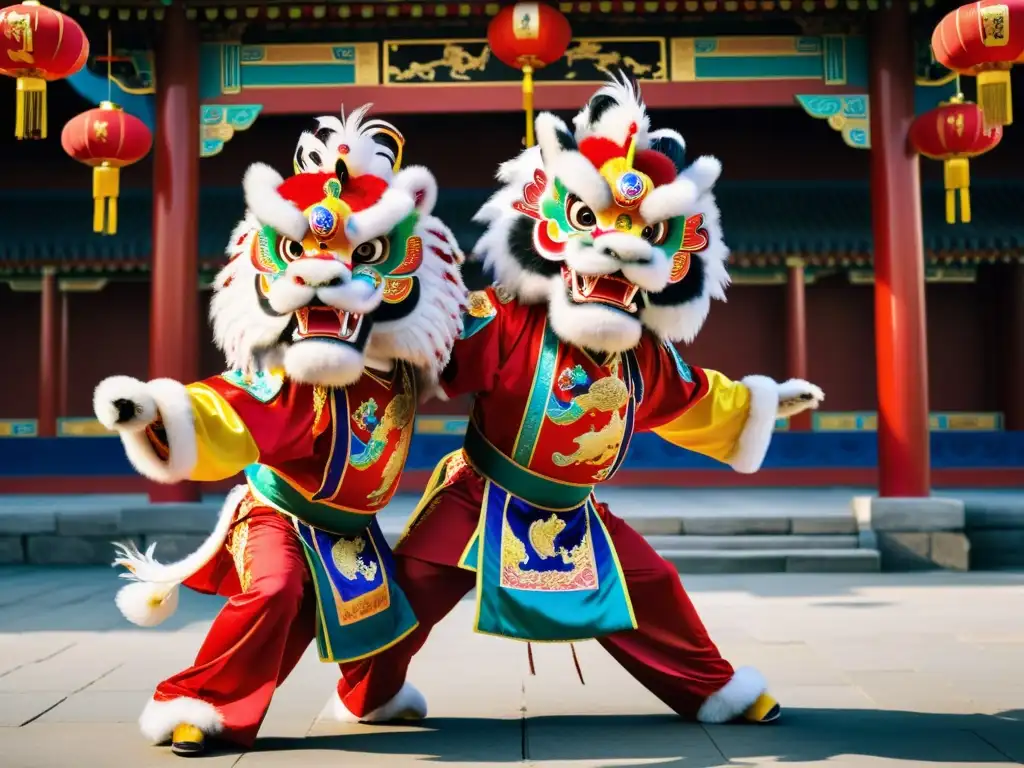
152, 597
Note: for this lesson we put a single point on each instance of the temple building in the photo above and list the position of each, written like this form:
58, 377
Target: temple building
806, 102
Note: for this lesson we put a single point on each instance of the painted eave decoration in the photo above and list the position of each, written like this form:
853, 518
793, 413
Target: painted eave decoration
214, 10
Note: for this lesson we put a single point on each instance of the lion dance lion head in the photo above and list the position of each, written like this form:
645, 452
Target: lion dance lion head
609, 225
341, 265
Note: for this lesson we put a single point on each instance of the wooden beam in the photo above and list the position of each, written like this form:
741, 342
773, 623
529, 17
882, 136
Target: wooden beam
502, 97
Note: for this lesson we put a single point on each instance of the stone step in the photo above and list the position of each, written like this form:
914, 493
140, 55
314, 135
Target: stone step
747, 542
696, 561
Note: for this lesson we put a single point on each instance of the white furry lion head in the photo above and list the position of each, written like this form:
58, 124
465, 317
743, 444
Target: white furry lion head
608, 225
331, 269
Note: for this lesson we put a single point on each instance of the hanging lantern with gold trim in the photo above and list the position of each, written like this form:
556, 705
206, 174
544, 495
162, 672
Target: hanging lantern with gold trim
527, 37
38, 44
106, 138
984, 39
954, 132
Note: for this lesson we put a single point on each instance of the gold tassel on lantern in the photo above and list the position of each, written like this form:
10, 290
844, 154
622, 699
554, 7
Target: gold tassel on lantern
528, 103
30, 116
957, 175
994, 95
106, 185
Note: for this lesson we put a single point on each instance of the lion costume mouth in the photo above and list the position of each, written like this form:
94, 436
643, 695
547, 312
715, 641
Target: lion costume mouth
326, 323
613, 291
319, 322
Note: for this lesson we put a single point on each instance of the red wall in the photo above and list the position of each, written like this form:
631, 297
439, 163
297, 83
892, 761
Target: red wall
109, 333
109, 330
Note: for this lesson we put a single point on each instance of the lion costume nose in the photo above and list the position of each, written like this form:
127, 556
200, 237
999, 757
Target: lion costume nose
318, 273
623, 247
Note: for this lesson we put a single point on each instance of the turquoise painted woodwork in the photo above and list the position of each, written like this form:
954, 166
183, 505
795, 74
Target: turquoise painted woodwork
218, 124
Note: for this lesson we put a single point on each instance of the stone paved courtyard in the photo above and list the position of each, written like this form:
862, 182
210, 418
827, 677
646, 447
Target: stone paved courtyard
874, 670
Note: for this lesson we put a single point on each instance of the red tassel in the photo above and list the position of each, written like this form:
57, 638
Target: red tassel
576, 661
529, 655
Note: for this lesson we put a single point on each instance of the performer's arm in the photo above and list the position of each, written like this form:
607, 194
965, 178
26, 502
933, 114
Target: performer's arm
705, 412
205, 431
476, 358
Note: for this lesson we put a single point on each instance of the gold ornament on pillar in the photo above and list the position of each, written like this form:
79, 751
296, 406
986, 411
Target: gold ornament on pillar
527, 37
106, 138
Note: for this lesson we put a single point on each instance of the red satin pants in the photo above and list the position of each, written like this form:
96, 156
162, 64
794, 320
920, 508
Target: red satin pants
670, 652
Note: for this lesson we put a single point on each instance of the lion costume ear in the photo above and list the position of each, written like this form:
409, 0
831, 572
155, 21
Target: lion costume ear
671, 144
561, 158
420, 185
268, 206
412, 189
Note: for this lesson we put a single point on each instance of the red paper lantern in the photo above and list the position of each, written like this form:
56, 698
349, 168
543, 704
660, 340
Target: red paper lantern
954, 132
527, 37
38, 44
106, 138
984, 39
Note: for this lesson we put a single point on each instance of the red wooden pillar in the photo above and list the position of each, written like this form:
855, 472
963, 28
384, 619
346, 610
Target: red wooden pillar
49, 330
900, 333
796, 333
1012, 323
65, 352
174, 315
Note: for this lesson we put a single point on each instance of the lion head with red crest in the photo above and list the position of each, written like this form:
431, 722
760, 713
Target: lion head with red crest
609, 225
342, 265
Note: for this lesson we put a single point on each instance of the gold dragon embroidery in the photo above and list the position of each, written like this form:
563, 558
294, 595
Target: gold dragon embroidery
456, 59
398, 415
542, 534
236, 548
346, 556
604, 61
596, 446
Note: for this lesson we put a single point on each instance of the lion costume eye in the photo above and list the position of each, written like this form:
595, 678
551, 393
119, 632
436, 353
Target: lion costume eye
289, 250
372, 251
579, 214
655, 234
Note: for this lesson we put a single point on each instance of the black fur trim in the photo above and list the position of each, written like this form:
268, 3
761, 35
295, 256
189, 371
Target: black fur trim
672, 149
388, 143
520, 245
686, 290
565, 139
600, 104
323, 134
341, 171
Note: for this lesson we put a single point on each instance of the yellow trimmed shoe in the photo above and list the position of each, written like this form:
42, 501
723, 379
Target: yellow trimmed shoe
188, 741
763, 711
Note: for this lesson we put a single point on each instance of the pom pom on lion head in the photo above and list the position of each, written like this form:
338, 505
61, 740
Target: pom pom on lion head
609, 225
332, 269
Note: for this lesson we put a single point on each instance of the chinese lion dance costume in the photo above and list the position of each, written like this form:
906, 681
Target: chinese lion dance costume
606, 248
339, 306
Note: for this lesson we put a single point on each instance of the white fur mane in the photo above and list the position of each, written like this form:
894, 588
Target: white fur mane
249, 338
678, 322
318, 150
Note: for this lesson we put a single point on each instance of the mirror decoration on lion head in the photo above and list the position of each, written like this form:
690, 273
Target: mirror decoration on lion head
610, 225
342, 264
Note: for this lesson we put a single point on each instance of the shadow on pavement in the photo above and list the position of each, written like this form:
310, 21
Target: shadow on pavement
82, 598
805, 735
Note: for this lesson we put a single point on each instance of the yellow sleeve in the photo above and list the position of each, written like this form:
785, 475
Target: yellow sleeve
224, 446
714, 424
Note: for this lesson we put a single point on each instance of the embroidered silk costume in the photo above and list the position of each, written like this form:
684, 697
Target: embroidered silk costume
340, 301
606, 248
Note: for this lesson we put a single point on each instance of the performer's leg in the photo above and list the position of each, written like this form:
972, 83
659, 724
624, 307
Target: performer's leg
375, 688
427, 564
670, 652
254, 642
